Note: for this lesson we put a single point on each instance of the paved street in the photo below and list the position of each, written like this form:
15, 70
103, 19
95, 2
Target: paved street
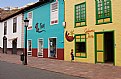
14, 71
85, 70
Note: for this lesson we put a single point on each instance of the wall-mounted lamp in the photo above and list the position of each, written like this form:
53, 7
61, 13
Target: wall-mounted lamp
64, 24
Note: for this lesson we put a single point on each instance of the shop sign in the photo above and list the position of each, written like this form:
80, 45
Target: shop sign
69, 36
40, 27
88, 32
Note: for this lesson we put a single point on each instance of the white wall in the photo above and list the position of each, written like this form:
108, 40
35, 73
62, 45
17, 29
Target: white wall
1, 34
10, 35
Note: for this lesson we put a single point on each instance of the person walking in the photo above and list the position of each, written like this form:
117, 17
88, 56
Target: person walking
72, 55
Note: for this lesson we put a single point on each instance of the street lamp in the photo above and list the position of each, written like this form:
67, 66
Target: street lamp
26, 21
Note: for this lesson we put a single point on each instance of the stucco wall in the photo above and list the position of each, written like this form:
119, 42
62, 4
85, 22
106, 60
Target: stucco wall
1, 33
10, 35
41, 14
91, 24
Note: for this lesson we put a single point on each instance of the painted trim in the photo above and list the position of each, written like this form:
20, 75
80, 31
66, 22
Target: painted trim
31, 47
104, 50
114, 48
29, 19
80, 41
103, 17
38, 46
49, 46
80, 16
50, 12
15, 23
96, 46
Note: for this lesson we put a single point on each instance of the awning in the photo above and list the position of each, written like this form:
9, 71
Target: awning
12, 39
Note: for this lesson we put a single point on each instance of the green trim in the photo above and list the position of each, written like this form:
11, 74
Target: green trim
114, 47
110, 12
96, 11
79, 26
103, 44
102, 10
81, 57
103, 23
82, 14
96, 46
85, 48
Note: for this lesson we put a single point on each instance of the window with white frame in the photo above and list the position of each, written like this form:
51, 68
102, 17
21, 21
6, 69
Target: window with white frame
29, 45
30, 20
14, 24
29, 48
5, 28
54, 13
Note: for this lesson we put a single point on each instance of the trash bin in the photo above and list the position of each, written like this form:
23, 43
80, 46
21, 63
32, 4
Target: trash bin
22, 58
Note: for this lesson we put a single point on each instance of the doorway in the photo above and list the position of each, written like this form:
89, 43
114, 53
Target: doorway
40, 47
29, 51
14, 46
52, 48
109, 47
4, 44
104, 47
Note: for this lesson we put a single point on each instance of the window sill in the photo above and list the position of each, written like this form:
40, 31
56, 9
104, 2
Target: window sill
80, 26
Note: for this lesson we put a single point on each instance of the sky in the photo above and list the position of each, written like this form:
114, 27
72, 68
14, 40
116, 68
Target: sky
15, 3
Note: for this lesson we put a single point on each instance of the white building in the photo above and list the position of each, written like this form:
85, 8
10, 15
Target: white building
12, 33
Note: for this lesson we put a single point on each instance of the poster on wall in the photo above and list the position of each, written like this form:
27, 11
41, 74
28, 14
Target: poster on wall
30, 20
54, 13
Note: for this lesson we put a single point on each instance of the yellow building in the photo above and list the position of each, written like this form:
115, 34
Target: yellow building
93, 31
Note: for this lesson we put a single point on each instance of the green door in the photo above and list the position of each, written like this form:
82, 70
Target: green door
99, 48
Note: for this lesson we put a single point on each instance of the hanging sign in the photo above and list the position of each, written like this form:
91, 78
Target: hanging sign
69, 36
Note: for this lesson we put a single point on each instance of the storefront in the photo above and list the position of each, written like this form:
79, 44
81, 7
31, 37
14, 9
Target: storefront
93, 30
45, 30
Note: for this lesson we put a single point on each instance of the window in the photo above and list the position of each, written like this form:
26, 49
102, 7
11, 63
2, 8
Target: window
14, 25
80, 14
54, 12
80, 45
5, 28
30, 20
29, 47
103, 11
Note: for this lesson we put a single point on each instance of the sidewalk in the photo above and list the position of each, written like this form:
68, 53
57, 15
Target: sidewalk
86, 70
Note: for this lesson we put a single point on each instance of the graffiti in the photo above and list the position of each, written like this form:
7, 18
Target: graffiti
41, 28
88, 32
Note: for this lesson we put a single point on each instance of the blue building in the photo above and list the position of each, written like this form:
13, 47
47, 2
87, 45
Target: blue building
45, 31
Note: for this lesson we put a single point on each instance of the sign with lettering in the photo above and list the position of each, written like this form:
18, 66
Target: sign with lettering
88, 32
40, 27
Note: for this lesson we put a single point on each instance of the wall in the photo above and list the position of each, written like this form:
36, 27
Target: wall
10, 35
41, 14
1, 30
91, 24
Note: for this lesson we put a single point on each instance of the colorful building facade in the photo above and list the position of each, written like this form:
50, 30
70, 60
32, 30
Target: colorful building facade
93, 31
45, 31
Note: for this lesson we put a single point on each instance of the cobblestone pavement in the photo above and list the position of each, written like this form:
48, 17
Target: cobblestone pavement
86, 70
